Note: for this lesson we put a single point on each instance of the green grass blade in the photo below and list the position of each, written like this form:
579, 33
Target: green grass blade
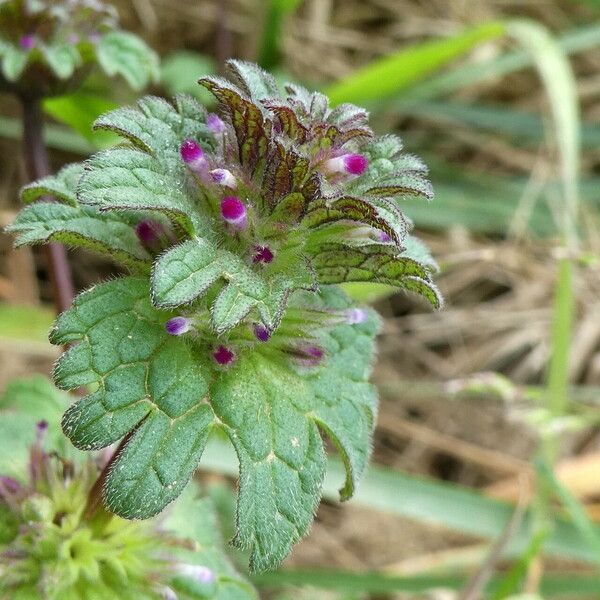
578, 40
576, 511
387, 76
570, 585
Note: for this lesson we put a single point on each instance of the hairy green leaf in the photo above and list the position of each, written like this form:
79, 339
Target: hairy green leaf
150, 388
122, 53
78, 226
63, 185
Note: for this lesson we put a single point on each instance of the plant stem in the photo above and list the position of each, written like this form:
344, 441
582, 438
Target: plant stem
38, 165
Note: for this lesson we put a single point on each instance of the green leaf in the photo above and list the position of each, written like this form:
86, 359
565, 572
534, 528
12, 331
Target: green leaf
125, 54
272, 416
14, 61
263, 408
82, 227
63, 186
187, 271
127, 179
148, 385
62, 58
157, 127
335, 264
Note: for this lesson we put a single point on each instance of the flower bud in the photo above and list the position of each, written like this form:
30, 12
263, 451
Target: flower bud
149, 233
262, 254
234, 212
178, 325
199, 573
354, 316
223, 356
352, 164
261, 333
9, 485
28, 42
384, 237
223, 177
214, 123
193, 155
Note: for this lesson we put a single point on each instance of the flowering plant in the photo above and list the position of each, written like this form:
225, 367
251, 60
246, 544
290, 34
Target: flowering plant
236, 228
55, 545
47, 46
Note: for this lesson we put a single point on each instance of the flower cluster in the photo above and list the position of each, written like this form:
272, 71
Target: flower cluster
44, 44
53, 546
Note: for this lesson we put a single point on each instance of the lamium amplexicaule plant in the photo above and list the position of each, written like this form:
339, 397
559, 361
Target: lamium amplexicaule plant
235, 228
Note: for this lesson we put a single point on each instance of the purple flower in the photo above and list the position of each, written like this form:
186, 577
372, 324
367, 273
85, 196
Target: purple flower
354, 316
261, 333
214, 123
262, 254
149, 232
223, 355
352, 164
223, 177
178, 325
193, 155
74, 38
233, 212
199, 573
384, 237
8, 484
28, 42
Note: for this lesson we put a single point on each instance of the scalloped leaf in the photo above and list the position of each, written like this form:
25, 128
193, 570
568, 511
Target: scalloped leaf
62, 186
324, 211
78, 226
272, 416
187, 271
129, 179
337, 264
156, 126
247, 120
151, 389
62, 58
125, 54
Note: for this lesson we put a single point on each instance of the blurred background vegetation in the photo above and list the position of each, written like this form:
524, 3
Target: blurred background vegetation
486, 475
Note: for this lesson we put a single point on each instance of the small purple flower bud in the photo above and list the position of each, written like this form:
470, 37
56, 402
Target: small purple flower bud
261, 333
94, 37
28, 42
223, 177
193, 155
199, 573
178, 325
149, 232
8, 484
74, 38
353, 164
262, 254
309, 356
354, 316
314, 352
223, 355
384, 237
233, 212
214, 123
